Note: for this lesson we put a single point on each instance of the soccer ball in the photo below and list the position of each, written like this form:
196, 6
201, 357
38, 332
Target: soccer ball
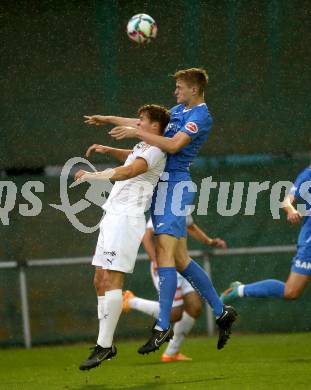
142, 28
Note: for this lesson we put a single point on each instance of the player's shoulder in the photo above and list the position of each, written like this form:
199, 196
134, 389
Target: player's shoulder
150, 149
199, 119
201, 111
177, 109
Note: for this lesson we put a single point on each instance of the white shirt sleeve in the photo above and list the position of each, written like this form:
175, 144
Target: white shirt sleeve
149, 224
152, 155
189, 220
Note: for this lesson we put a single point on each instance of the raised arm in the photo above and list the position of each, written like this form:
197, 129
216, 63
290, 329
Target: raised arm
119, 154
293, 216
100, 120
199, 235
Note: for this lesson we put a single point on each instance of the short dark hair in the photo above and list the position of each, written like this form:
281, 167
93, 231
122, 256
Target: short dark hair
156, 114
193, 76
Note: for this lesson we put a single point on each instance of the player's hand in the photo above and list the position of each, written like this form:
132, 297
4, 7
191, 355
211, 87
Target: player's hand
219, 243
81, 176
121, 132
294, 217
97, 149
97, 120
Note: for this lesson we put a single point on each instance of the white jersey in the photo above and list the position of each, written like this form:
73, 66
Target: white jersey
132, 197
189, 222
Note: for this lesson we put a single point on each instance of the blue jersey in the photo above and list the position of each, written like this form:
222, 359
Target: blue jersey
197, 123
302, 192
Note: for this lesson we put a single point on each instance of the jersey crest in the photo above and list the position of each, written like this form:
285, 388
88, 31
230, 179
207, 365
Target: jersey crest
192, 127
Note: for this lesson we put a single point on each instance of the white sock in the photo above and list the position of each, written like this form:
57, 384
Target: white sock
146, 306
181, 329
109, 315
241, 290
100, 313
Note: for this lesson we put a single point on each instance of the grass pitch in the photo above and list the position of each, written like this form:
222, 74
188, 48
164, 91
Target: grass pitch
247, 362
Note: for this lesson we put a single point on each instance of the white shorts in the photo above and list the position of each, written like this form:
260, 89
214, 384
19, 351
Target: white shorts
118, 242
183, 286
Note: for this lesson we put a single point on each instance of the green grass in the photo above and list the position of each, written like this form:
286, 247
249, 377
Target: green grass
247, 362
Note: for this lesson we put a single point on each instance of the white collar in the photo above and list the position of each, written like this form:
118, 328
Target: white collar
198, 105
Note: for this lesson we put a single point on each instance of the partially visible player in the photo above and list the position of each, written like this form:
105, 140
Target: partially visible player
123, 225
187, 303
186, 133
300, 273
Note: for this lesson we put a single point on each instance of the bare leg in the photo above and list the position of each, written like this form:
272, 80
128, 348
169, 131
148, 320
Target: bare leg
295, 285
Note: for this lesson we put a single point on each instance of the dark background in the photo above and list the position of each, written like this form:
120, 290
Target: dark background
61, 60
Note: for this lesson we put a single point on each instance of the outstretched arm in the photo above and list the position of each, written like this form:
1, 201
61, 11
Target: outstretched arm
293, 216
169, 145
199, 235
100, 120
124, 172
119, 154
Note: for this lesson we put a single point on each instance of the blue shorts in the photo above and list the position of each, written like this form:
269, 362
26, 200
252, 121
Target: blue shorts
171, 203
301, 263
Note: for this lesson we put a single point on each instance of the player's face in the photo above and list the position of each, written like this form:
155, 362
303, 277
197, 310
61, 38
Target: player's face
144, 122
183, 92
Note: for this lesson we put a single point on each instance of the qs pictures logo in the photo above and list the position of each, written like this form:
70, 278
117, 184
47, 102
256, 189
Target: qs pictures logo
96, 194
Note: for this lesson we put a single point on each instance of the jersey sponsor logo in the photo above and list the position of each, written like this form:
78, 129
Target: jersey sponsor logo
111, 253
140, 145
303, 264
192, 127
159, 225
145, 147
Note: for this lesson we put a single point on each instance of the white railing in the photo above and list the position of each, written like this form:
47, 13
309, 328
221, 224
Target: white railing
198, 254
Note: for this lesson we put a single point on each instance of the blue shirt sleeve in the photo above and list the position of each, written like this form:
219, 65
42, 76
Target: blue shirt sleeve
196, 124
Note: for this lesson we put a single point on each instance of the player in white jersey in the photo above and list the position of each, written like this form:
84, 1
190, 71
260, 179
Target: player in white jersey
123, 226
187, 303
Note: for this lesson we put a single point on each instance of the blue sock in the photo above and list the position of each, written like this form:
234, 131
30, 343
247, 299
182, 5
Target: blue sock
201, 282
265, 288
167, 287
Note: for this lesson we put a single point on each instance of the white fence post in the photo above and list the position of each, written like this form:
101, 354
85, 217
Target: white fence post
25, 307
210, 321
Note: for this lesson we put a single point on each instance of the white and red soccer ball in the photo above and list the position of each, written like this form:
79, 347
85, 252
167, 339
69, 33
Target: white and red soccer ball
142, 28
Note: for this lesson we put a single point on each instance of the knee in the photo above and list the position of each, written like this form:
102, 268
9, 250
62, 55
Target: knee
176, 314
181, 265
291, 293
99, 284
194, 309
164, 257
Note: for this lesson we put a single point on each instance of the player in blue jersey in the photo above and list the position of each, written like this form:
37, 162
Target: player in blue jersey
300, 273
187, 131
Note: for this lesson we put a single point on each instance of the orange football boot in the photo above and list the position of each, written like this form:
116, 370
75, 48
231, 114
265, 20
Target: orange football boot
177, 357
